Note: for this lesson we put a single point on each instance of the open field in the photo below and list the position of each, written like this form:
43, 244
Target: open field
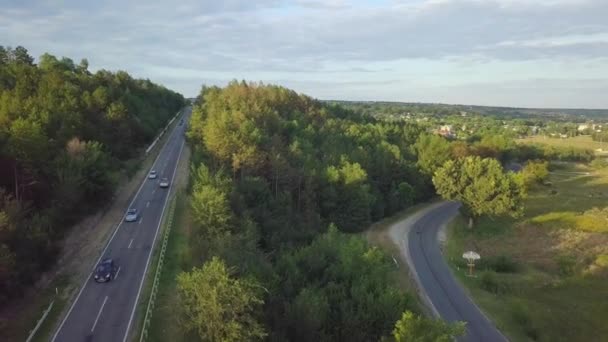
544, 276
581, 142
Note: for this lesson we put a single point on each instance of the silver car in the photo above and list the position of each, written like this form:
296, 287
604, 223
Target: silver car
152, 174
132, 215
164, 183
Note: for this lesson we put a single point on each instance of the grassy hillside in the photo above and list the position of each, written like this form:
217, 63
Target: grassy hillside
581, 141
544, 277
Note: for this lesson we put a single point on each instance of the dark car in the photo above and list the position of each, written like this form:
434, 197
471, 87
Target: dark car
104, 271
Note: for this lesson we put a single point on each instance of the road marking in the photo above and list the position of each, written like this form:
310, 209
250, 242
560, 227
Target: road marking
99, 313
130, 243
84, 283
153, 191
160, 220
141, 219
116, 276
148, 204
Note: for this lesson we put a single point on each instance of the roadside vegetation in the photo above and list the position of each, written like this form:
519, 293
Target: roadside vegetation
542, 277
67, 137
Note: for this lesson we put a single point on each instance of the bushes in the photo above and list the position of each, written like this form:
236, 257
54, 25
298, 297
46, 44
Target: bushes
599, 163
594, 220
535, 172
566, 265
519, 313
499, 264
490, 281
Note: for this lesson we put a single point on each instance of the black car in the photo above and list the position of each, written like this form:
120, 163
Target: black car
104, 271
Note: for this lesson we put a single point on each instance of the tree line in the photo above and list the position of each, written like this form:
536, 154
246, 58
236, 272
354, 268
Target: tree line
278, 180
66, 137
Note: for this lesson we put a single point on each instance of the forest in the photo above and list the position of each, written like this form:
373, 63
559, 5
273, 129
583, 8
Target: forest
279, 184
67, 136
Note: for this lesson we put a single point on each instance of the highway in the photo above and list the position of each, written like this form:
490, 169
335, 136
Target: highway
448, 298
105, 311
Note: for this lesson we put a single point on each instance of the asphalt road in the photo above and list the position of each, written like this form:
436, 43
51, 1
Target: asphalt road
435, 277
104, 311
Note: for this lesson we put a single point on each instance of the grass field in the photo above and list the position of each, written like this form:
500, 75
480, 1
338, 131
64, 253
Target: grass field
581, 141
543, 277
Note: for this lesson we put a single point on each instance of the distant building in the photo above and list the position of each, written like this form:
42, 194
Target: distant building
446, 131
582, 127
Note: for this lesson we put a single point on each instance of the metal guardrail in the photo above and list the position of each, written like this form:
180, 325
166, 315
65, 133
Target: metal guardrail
40, 321
159, 266
160, 135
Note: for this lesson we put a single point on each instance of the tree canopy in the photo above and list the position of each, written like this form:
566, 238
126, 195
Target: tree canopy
413, 328
66, 137
481, 185
274, 169
218, 306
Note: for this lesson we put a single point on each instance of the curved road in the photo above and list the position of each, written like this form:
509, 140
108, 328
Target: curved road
446, 296
105, 312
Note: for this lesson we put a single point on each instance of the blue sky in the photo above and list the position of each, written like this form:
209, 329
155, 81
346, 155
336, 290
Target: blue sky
533, 53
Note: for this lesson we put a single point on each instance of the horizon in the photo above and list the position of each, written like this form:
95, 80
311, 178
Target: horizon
551, 54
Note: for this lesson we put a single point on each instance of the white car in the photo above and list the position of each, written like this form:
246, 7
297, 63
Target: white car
132, 215
164, 183
152, 174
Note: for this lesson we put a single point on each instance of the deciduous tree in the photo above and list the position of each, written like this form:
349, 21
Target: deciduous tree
415, 328
481, 186
217, 305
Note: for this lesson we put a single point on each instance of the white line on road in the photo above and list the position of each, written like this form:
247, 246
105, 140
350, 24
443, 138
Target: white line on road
141, 219
130, 243
148, 204
99, 313
160, 220
153, 191
116, 275
84, 283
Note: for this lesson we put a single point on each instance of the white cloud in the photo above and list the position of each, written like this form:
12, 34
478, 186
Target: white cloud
315, 41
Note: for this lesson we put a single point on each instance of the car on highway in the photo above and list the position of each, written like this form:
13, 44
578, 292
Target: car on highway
164, 183
132, 215
181, 122
104, 271
152, 174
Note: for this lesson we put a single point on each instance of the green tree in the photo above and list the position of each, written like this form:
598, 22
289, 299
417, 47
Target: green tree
211, 211
432, 151
338, 288
218, 306
414, 328
535, 171
481, 186
21, 55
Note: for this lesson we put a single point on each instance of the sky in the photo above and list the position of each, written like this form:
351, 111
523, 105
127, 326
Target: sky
523, 53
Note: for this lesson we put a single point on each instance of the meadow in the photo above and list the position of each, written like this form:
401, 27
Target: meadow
544, 276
